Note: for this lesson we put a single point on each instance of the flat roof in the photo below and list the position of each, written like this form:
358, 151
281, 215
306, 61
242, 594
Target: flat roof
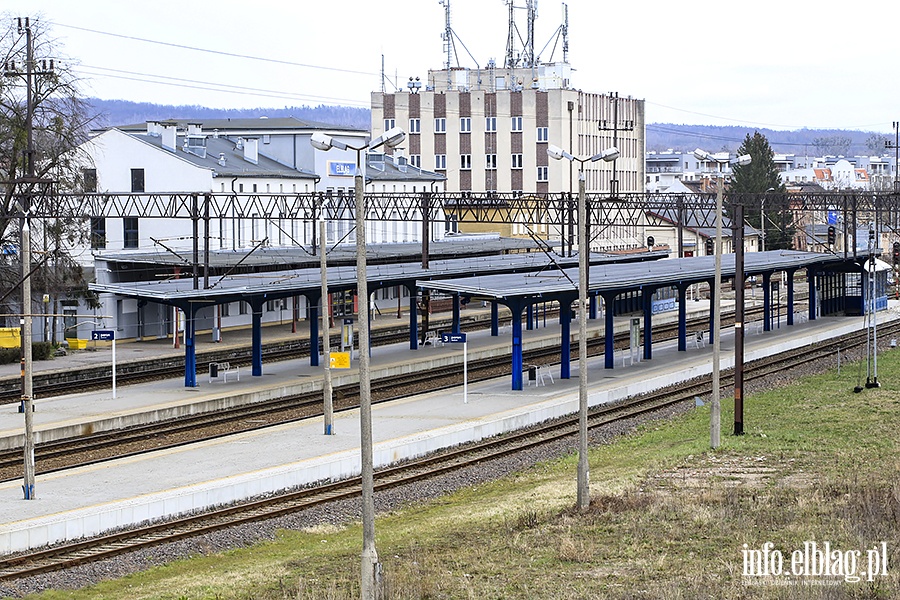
625, 276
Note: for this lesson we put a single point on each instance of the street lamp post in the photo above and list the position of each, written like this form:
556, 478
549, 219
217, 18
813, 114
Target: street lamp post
328, 404
584, 495
715, 425
370, 568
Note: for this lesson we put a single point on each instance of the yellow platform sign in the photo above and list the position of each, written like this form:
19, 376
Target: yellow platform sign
340, 360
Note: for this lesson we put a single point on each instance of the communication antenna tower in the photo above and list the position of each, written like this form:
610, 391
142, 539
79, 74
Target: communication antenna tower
525, 58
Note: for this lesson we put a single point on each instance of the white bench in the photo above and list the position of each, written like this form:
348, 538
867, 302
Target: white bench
698, 340
223, 369
540, 373
433, 338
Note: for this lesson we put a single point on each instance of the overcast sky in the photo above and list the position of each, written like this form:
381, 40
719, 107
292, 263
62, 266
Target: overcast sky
780, 64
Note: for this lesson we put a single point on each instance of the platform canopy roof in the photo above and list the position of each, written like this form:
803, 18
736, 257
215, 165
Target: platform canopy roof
282, 284
625, 277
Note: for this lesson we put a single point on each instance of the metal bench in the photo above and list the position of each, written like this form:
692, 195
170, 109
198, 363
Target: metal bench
537, 374
433, 338
223, 369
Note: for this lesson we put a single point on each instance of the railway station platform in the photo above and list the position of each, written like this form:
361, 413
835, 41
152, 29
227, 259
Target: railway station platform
92, 499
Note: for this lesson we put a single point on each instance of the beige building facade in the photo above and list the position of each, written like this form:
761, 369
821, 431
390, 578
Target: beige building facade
489, 130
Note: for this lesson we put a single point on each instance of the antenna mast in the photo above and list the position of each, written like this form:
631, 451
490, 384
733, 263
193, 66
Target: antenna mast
448, 41
565, 33
531, 7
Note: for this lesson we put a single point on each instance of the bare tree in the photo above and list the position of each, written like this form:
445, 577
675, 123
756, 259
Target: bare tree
59, 119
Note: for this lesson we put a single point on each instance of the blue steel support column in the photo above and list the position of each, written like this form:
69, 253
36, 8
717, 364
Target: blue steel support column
517, 363
592, 307
529, 317
456, 312
190, 353
609, 334
312, 301
712, 296
790, 296
811, 276
647, 298
767, 301
413, 317
565, 351
256, 307
682, 317
495, 318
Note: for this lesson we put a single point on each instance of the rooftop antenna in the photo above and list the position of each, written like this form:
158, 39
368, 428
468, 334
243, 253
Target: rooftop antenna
561, 34
448, 41
450, 38
526, 58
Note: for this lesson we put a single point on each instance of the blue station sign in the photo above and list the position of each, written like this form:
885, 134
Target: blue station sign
453, 338
341, 169
103, 335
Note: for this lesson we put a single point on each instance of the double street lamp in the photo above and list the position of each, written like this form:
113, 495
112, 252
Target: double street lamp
370, 569
610, 154
715, 425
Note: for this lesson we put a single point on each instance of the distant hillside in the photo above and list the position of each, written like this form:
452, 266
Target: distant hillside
814, 142
660, 136
121, 112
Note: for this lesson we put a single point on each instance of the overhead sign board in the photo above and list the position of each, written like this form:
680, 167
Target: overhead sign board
341, 169
453, 338
103, 335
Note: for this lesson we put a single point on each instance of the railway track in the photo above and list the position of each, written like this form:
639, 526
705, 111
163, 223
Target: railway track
96, 447
51, 384
68, 555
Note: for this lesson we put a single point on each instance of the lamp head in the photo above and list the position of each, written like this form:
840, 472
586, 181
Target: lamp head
608, 155
702, 154
320, 141
557, 153
390, 138
742, 161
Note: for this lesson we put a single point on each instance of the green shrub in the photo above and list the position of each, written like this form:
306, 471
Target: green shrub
39, 351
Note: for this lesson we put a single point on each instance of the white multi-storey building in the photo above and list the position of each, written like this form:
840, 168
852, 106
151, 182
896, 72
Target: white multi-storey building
488, 130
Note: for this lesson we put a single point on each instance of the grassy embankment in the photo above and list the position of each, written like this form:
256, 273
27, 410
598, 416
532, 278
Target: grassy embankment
668, 518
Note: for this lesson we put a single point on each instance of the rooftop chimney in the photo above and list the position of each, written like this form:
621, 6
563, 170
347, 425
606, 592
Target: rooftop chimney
251, 150
169, 135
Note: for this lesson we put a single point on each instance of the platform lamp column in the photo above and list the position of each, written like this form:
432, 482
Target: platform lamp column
584, 491
328, 405
370, 580
715, 408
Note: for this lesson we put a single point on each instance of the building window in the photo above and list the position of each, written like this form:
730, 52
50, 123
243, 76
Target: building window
465, 124
543, 134
543, 173
415, 160
516, 161
415, 126
267, 138
515, 124
388, 124
89, 177
440, 162
490, 123
465, 162
490, 162
440, 125
137, 181
225, 309
130, 226
98, 233
243, 308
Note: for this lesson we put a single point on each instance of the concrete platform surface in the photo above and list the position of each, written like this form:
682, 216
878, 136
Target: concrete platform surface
90, 500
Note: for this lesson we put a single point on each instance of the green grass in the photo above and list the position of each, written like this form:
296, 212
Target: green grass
668, 517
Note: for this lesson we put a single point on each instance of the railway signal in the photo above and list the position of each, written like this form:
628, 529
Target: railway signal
832, 235
710, 249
